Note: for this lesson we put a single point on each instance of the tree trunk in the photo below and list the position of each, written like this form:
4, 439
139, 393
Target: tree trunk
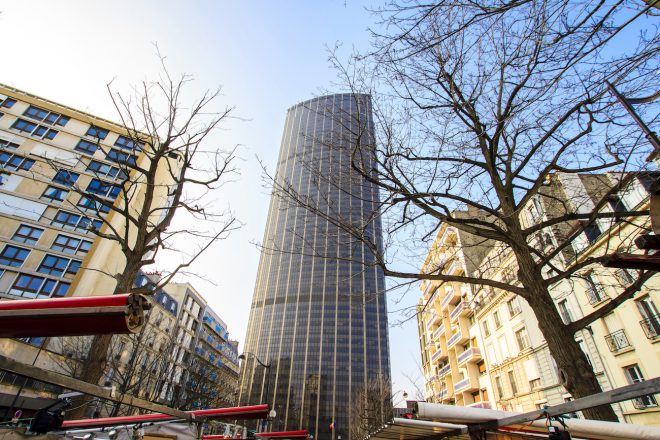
576, 375
97, 357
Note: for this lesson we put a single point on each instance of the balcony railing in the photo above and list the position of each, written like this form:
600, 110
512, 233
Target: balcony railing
595, 293
617, 341
467, 354
444, 370
459, 308
461, 384
483, 404
651, 326
431, 320
436, 355
455, 337
448, 296
440, 330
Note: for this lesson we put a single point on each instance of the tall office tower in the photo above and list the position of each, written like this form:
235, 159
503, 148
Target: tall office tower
318, 314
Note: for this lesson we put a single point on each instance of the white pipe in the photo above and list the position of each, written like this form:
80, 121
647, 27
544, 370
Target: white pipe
594, 429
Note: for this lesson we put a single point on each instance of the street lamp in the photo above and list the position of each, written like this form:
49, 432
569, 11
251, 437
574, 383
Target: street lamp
243, 357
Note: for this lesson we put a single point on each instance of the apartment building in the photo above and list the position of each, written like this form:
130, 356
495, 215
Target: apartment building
47, 240
514, 368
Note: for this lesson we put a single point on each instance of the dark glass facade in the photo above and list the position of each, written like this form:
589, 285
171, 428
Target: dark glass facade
318, 314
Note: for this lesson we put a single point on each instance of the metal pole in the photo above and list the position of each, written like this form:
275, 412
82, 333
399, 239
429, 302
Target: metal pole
650, 135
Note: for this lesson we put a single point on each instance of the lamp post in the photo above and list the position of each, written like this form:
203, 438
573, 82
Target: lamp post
243, 357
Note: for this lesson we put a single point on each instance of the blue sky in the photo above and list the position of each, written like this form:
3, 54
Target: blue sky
266, 55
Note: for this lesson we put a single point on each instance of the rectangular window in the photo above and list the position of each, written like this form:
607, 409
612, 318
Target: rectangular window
564, 311
650, 317
77, 222
98, 207
55, 194
33, 129
54, 265
27, 234
534, 383
121, 157
496, 317
96, 132
13, 256
86, 147
128, 144
595, 291
40, 114
498, 385
616, 204
30, 286
512, 381
7, 102
592, 231
65, 177
15, 161
522, 339
103, 188
484, 326
104, 170
71, 245
634, 375
513, 305
8, 145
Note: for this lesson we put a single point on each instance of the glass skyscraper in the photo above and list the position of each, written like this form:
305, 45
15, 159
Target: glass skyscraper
318, 314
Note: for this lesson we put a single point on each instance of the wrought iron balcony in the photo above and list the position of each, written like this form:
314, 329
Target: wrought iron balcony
617, 341
651, 326
645, 402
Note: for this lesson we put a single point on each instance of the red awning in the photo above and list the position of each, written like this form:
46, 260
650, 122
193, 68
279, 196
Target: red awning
72, 316
301, 434
239, 412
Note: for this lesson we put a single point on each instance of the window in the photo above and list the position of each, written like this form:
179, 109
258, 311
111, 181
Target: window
86, 147
128, 144
87, 203
595, 291
15, 161
40, 114
648, 180
8, 145
592, 231
650, 318
481, 366
535, 383
13, 256
512, 381
30, 286
7, 102
484, 326
71, 245
496, 317
634, 375
513, 305
616, 204
55, 194
564, 311
103, 188
33, 129
58, 266
120, 157
104, 170
624, 277
96, 132
522, 339
498, 385
77, 222
65, 177
27, 234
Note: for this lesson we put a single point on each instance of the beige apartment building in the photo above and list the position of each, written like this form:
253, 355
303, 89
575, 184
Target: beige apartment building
503, 362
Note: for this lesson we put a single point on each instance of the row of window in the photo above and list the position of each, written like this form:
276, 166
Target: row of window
30, 286
513, 306
76, 222
46, 116
62, 243
8, 145
113, 155
15, 256
15, 161
36, 130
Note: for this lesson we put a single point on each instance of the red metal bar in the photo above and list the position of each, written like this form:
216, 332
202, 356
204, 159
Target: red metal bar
239, 412
73, 316
300, 434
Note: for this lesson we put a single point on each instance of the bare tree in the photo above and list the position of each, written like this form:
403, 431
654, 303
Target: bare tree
166, 169
481, 108
373, 407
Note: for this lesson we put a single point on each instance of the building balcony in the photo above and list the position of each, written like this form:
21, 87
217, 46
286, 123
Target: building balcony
437, 355
444, 370
651, 326
432, 320
439, 331
470, 355
442, 394
451, 296
617, 341
466, 385
483, 404
462, 309
457, 338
